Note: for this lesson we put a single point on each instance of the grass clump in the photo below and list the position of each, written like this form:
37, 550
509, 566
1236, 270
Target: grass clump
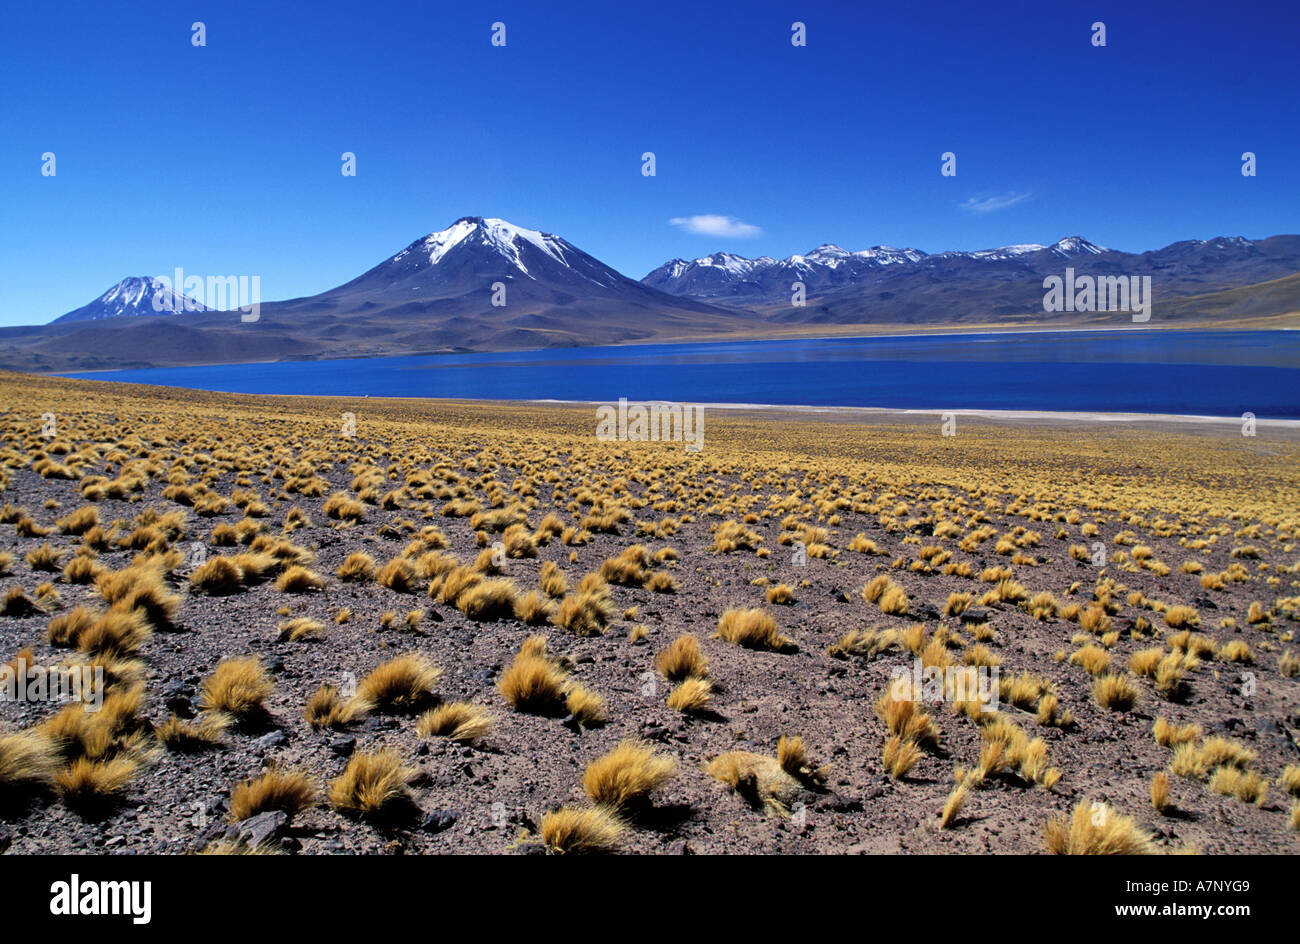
691, 696
752, 629
1115, 692
682, 659
401, 685
460, 721
237, 688
626, 775
1095, 829
288, 791
573, 831
374, 784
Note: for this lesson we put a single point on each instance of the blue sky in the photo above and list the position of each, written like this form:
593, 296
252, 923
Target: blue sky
226, 159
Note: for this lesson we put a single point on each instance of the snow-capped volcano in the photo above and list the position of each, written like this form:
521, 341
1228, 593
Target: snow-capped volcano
135, 296
483, 278
488, 244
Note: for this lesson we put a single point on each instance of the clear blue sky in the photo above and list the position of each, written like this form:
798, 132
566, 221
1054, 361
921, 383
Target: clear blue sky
225, 159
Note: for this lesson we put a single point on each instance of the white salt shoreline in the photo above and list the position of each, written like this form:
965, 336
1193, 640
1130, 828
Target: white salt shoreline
1057, 415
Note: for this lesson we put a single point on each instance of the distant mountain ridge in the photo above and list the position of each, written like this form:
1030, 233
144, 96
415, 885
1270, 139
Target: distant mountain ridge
885, 284
485, 284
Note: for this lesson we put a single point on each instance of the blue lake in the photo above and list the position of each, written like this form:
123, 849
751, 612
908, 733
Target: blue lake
1153, 371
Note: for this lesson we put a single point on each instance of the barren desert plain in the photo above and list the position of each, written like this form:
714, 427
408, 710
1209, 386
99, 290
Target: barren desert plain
330, 625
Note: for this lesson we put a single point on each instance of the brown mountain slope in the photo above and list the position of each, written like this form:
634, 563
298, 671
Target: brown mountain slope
220, 337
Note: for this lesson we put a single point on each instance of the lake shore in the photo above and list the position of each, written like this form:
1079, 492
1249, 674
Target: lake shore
1063, 377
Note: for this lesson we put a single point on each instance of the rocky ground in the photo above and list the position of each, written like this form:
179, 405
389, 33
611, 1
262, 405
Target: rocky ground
1223, 502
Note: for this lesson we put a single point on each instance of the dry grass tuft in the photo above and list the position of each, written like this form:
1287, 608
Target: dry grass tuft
692, 695
94, 784
16, 603
488, 600
753, 629
326, 708
952, 807
626, 775
1160, 792
1197, 762
899, 756
66, 628
568, 830
682, 659
374, 784
288, 791
299, 628
780, 594
1171, 735
115, 633
359, 567
1115, 692
584, 706
533, 609
401, 685
217, 576
1245, 785
187, 737
27, 759
299, 580
532, 684
1092, 659
398, 574
1146, 661
756, 777
141, 587
552, 581
1096, 829
237, 688
587, 610
899, 710
460, 721
1290, 780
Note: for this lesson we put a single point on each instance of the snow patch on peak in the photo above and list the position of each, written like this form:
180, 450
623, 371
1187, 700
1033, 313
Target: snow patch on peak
129, 292
1077, 245
829, 255
728, 262
889, 255
1009, 252
502, 236
1223, 242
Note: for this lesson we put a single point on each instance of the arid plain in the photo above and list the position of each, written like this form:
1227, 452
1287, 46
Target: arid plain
364, 625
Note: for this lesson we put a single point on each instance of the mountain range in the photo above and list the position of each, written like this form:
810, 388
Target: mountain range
908, 286
486, 284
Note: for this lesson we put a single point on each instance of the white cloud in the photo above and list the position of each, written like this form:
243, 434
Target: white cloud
708, 224
996, 202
